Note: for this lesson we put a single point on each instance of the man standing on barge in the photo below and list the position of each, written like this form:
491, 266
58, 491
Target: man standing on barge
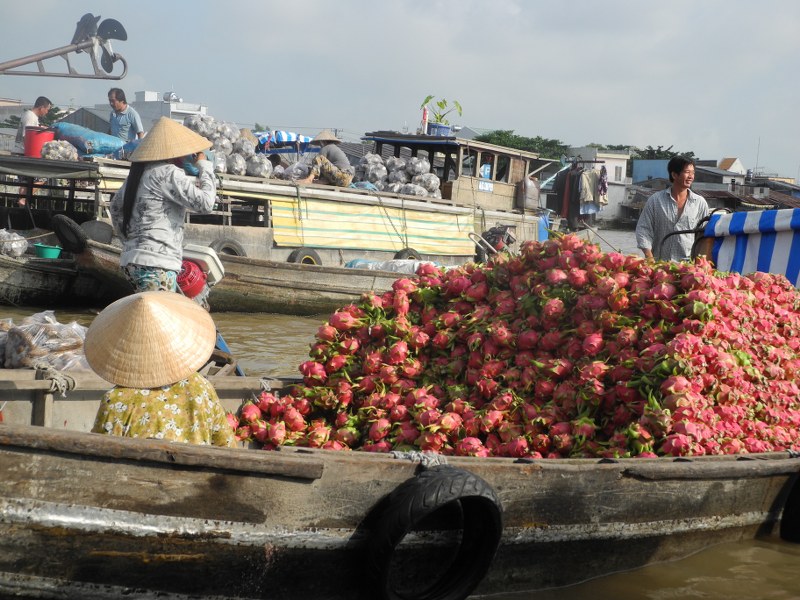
124, 122
676, 208
30, 118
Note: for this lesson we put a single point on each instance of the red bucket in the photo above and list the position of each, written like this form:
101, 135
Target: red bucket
35, 139
191, 279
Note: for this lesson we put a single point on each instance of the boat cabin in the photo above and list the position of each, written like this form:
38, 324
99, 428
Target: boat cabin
472, 173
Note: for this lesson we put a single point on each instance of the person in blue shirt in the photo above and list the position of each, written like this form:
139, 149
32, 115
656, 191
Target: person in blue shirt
125, 122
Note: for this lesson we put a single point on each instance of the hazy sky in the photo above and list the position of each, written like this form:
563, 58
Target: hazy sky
717, 77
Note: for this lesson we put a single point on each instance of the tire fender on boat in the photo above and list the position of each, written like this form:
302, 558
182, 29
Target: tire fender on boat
70, 235
790, 520
416, 500
227, 246
305, 256
407, 254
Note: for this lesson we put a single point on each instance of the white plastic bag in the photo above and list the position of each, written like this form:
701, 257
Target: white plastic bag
12, 243
41, 340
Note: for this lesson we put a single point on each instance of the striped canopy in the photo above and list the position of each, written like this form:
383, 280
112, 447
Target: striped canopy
281, 137
764, 240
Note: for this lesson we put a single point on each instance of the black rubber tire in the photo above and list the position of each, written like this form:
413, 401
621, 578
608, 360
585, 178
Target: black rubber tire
790, 520
407, 254
415, 500
70, 235
230, 247
304, 256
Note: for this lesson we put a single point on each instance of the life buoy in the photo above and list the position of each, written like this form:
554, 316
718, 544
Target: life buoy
790, 519
70, 235
305, 256
407, 254
435, 491
230, 247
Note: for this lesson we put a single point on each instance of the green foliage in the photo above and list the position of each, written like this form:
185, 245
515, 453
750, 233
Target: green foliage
53, 115
545, 148
12, 122
440, 110
658, 153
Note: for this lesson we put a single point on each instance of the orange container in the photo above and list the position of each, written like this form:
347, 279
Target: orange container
35, 138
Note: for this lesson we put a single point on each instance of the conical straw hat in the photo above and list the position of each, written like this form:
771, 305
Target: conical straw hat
150, 339
326, 135
168, 139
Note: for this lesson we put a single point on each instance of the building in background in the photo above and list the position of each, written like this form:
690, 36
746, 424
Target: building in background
616, 164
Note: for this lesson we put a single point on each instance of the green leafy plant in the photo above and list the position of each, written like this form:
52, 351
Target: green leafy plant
440, 109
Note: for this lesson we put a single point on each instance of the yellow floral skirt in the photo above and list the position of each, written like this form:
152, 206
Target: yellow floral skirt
187, 411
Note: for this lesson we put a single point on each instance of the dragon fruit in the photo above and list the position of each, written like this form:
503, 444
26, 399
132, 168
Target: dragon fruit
559, 351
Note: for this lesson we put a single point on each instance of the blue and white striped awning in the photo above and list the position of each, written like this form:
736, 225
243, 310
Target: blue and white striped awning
763, 240
281, 137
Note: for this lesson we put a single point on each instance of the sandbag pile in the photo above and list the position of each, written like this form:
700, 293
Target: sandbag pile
399, 175
12, 243
234, 152
59, 150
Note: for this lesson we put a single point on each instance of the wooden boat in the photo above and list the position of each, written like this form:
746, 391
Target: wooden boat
47, 282
285, 221
92, 516
253, 285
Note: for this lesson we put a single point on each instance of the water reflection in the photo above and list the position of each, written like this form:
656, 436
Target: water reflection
265, 344
268, 344
750, 569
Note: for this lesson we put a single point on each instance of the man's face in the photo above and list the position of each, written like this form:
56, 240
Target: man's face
686, 177
43, 110
117, 105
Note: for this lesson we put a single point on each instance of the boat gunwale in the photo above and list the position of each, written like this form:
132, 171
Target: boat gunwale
309, 463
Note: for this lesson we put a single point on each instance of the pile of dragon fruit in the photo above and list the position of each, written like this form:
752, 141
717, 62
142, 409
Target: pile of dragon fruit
558, 351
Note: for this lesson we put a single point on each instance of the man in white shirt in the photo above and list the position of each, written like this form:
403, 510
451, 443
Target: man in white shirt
676, 208
30, 118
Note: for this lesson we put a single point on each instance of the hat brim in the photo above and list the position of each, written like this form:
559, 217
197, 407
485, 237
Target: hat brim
149, 340
326, 136
168, 139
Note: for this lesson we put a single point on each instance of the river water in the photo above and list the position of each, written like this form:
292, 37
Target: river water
274, 346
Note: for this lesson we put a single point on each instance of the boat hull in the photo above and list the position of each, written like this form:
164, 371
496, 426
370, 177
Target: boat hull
85, 511
28, 281
254, 285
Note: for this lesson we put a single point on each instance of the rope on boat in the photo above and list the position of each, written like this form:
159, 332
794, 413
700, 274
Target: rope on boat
36, 237
59, 381
597, 233
426, 459
389, 217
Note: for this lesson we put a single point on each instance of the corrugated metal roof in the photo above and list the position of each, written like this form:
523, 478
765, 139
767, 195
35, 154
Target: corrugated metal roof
717, 171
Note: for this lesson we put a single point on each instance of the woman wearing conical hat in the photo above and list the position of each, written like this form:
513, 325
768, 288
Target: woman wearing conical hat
150, 345
150, 208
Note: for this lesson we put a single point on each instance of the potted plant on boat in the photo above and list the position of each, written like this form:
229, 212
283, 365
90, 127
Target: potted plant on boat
438, 111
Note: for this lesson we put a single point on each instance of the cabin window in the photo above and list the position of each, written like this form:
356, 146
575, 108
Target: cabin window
617, 173
487, 166
503, 167
468, 164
